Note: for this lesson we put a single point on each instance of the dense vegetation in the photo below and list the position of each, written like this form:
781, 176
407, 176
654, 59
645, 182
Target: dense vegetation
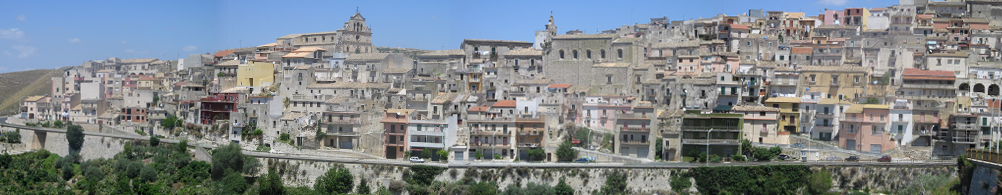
766, 179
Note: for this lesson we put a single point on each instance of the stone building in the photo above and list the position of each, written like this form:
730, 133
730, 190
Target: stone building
354, 37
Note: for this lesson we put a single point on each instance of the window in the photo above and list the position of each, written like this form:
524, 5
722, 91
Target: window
620, 51
761, 114
602, 53
561, 54
857, 78
588, 54
575, 54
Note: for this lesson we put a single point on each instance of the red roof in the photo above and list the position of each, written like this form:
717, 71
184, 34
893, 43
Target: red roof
802, 50
222, 53
559, 86
739, 26
504, 104
478, 109
918, 74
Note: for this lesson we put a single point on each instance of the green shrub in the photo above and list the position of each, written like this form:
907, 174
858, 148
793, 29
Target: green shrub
763, 179
75, 137
147, 174
234, 182
819, 182
536, 154
738, 158
679, 183
565, 153
13, 137
284, 137
443, 154
337, 180
615, 183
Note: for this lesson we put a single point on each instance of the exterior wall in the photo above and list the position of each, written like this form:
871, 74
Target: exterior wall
256, 74
762, 129
576, 71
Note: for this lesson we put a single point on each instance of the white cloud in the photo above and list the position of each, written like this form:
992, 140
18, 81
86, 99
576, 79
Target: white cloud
74, 40
833, 2
189, 48
22, 18
12, 34
24, 51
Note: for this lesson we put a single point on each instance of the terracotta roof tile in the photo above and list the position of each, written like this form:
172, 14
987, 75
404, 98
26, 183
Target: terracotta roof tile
504, 104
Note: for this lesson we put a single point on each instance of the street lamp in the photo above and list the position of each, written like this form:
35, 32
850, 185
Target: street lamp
708, 147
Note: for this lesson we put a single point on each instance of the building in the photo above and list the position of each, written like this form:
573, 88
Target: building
719, 133
395, 122
354, 37
789, 112
866, 129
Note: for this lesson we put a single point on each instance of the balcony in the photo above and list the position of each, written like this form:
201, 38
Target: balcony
965, 126
712, 141
350, 121
930, 97
426, 144
635, 129
486, 144
342, 133
825, 115
716, 128
634, 142
969, 140
824, 128
489, 132
927, 86
528, 145
524, 132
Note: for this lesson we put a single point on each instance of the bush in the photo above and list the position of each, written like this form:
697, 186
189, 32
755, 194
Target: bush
765, 179
537, 154
397, 186
337, 180
680, 183
425, 153
738, 158
13, 137
443, 154
819, 182
715, 159
615, 183
58, 124
562, 188
46, 124
147, 174
363, 187
484, 188
227, 157
478, 155
234, 182
423, 174
497, 156
154, 141
284, 137
271, 183
565, 153
75, 137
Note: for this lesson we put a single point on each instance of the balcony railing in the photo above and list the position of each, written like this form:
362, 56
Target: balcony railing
823, 128
965, 126
965, 139
927, 86
634, 142
715, 128
711, 141
488, 144
984, 155
343, 121
634, 128
825, 115
528, 145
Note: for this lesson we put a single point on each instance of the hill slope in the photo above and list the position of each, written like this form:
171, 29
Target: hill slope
15, 86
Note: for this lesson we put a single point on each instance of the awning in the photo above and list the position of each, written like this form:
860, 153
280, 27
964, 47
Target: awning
722, 108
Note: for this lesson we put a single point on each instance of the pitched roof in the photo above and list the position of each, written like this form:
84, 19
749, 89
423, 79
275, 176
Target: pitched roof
876, 106
525, 52
802, 50
367, 56
138, 60
504, 104
783, 100
34, 98
478, 109
854, 108
222, 53
559, 86
918, 74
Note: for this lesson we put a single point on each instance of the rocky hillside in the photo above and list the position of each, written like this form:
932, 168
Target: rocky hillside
15, 86
409, 52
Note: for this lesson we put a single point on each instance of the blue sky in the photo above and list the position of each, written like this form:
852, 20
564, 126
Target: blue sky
51, 34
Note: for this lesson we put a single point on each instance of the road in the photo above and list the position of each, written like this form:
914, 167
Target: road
484, 164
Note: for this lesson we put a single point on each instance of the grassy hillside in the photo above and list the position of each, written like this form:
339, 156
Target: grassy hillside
15, 86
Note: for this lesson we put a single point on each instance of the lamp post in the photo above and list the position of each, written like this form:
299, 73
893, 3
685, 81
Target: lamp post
708, 147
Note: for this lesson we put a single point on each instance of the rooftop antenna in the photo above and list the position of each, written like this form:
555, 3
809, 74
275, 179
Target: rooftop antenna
356, 9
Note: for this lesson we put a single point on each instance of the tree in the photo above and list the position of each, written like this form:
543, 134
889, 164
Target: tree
615, 183
156, 98
226, 157
234, 182
565, 153
147, 174
562, 188
75, 137
154, 141
169, 122
271, 183
443, 154
182, 146
530, 189
537, 154
679, 183
478, 155
363, 187
483, 188
337, 180
13, 137
746, 147
58, 124
426, 154
659, 149
819, 182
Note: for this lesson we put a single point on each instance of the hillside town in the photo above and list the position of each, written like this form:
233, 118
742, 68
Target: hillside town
921, 75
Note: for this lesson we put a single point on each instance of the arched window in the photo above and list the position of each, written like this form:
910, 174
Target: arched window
602, 53
620, 51
561, 54
588, 54
575, 53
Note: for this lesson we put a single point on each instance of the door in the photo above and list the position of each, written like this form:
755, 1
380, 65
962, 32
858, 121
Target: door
850, 144
875, 148
346, 144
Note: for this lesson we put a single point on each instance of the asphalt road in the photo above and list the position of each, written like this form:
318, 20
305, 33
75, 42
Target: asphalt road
489, 164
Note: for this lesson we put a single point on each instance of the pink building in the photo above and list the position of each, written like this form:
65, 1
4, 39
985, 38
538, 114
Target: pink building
831, 17
864, 128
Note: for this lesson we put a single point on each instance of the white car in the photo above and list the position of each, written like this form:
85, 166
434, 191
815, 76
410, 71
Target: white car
417, 160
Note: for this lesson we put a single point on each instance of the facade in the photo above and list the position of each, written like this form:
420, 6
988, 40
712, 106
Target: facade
724, 139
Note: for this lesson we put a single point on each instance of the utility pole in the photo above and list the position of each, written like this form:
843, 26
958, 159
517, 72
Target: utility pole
708, 147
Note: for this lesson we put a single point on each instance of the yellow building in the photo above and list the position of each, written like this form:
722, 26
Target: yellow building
839, 82
255, 74
789, 112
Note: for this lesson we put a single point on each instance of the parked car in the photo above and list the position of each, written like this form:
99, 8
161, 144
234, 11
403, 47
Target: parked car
884, 158
852, 159
784, 157
417, 160
797, 145
582, 160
